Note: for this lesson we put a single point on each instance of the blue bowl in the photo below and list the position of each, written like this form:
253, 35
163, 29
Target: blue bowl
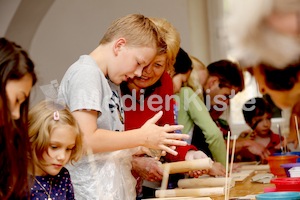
279, 196
297, 153
287, 153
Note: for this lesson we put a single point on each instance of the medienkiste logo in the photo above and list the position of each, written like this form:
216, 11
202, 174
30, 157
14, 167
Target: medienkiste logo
154, 102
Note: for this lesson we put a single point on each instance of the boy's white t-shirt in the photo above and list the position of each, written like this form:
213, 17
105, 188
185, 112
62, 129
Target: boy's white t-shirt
102, 175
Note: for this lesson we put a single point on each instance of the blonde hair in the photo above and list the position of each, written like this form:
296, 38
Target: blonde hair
137, 29
198, 75
42, 123
172, 39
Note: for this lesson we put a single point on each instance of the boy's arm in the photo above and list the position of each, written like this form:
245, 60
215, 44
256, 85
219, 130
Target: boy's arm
149, 135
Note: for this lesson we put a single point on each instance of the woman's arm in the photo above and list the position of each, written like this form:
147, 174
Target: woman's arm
201, 117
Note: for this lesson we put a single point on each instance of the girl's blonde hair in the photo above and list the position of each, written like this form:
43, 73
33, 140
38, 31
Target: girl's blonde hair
198, 75
172, 39
42, 122
137, 29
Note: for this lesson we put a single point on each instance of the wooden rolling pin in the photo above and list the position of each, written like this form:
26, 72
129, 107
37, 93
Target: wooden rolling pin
199, 192
185, 166
204, 182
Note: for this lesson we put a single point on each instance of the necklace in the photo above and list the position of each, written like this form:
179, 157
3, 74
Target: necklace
48, 194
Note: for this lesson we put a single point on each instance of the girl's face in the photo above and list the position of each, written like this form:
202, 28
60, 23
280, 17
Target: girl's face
129, 62
263, 126
179, 80
62, 142
283, 99
17, 92
151, 74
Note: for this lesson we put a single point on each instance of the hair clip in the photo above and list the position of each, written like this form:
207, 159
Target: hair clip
56, 116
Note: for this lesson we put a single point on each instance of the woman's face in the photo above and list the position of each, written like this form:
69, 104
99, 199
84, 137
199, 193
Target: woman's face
179, 80
283, 99
17, 92
151, 74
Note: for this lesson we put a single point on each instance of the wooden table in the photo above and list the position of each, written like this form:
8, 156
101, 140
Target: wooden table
241, 189
246, 188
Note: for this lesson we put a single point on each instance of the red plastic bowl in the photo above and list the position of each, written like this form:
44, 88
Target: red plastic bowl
287, 184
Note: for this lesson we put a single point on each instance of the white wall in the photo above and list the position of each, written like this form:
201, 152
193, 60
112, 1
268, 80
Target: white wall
7, 11
70, 28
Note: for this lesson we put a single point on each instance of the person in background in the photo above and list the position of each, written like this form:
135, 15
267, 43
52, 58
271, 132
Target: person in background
137, 95
142, 93
218, 117
183, 69
90, 88
257, 114
194, 112
17, 79
198, 77
224, 81
255, 46
293, 137
255, 40
55, 140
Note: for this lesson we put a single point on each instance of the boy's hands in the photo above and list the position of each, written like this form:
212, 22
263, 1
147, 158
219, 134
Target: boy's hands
157, 137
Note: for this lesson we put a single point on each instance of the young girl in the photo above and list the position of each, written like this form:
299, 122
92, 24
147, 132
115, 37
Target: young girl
56, 140
257, 113
17, 78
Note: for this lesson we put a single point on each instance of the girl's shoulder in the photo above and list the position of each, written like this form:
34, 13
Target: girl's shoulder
64, 172
63, 177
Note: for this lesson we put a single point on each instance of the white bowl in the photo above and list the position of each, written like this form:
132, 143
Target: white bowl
294, 172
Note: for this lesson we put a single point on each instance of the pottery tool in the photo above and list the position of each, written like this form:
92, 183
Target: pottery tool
232, 154
164, 182
231, 164
227, 163
297, 130
280, 138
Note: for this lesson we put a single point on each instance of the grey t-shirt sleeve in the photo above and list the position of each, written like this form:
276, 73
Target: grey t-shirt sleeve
82, 86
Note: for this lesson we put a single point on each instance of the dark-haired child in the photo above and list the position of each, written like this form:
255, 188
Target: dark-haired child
257, 114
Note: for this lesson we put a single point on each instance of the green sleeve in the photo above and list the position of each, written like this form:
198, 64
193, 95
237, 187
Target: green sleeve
193, 110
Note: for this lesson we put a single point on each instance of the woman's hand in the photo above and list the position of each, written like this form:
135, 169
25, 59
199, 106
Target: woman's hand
148, 168
193, 155
217, 170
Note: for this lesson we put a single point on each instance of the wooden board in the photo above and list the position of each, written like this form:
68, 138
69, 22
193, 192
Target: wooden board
256, 167
182, 198
196, 192
242, 175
